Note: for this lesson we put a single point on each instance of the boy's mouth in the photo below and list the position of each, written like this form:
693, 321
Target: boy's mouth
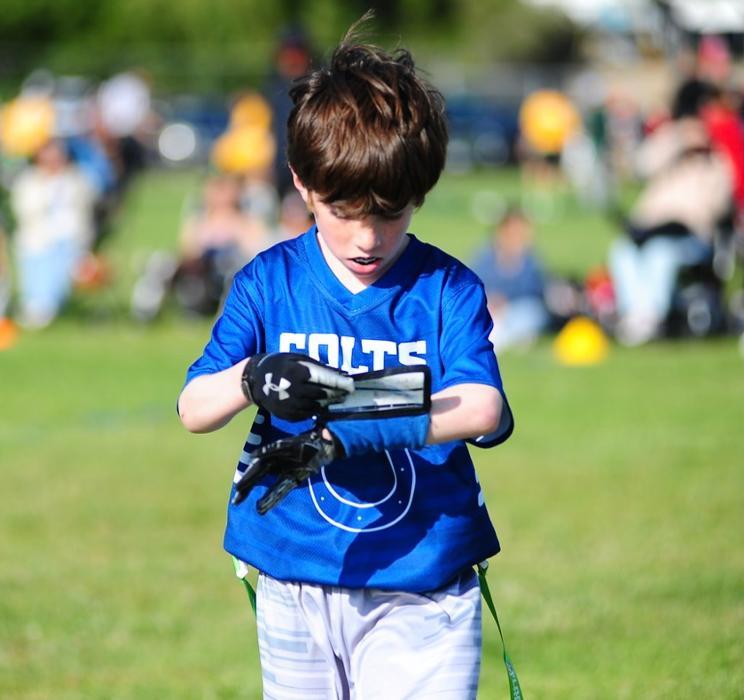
366, 261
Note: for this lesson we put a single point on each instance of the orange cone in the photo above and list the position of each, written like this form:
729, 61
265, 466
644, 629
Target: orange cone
8, 334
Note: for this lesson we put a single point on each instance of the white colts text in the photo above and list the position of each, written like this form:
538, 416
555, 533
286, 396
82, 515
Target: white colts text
339, 350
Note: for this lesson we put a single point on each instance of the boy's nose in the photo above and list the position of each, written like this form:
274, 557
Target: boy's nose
367, 238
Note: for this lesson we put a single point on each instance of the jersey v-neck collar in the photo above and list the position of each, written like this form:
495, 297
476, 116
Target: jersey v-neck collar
400, 272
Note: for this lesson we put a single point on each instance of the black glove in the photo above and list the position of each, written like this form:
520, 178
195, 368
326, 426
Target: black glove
292, 386
292, 459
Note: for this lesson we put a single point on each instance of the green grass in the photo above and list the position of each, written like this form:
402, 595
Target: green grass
619, 502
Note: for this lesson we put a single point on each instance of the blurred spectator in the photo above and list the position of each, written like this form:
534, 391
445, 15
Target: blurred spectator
697, 79
292, 60
216, 240
75, 117
247, 149
514, 282
124, 118
219, 224
259, 197
103, 130
294, 218
714, 60
624, 125
672, 224
52, 201
720, 114
5, 278
548, 119
706, 93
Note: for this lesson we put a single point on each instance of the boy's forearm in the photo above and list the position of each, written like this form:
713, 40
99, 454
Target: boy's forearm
209, 401
467, 410
464, 411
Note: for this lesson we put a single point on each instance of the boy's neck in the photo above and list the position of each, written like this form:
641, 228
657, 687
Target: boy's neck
342, 273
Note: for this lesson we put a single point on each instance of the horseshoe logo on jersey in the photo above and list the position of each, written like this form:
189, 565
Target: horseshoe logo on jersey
379, 502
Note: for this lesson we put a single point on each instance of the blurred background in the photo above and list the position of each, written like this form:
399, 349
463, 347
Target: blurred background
594, 181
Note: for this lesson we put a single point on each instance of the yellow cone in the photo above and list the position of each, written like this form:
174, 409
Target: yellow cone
581, 342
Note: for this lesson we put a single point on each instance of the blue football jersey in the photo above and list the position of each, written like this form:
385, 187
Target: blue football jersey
400, 519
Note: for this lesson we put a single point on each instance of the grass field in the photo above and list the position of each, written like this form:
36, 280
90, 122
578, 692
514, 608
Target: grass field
619, 502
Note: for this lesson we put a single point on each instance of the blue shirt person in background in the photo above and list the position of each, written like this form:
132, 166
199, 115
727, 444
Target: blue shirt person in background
514, 281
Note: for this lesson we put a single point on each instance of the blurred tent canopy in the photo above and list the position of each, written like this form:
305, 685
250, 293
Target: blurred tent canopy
665, 24
708, 16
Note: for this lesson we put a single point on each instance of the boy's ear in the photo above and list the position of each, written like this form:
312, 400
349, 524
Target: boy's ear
304, 192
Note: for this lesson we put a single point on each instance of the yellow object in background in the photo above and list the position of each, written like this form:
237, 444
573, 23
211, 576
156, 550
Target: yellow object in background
26, 124
8, 334
251, 110
244, 149
548, 119
581, 342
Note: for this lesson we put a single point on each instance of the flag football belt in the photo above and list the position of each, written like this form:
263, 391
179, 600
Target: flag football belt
515, 691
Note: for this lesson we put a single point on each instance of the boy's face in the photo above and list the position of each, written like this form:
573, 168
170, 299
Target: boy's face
363, 249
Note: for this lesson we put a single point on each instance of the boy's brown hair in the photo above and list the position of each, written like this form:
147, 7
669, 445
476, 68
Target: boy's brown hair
366, 133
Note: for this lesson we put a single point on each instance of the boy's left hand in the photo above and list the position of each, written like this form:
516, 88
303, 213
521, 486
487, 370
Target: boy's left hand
293, 386
292, 459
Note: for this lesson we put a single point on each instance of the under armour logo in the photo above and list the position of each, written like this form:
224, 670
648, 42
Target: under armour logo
280, 388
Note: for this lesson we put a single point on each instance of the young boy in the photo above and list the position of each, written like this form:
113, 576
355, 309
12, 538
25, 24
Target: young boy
366, 585
514, 281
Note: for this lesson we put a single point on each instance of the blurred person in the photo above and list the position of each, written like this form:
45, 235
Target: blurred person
259, 197
719, 113
216, 240
124, 119
714, 63
706, 92
514, 281
697, 80
624, 133
62, 107
75, 118
294, 217
74, 106
95, 163
548, 119
8, 329
672, 224
221, 224
586, 169
247, 148
292, 59
5, 275
52, 202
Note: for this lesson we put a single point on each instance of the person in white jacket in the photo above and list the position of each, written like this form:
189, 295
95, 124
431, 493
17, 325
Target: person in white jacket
673, 223
52, 202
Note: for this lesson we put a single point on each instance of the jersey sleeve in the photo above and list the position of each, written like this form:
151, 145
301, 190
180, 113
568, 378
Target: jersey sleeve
467, 354
237, 333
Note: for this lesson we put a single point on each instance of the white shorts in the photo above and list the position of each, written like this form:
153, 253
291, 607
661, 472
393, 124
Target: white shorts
358, 644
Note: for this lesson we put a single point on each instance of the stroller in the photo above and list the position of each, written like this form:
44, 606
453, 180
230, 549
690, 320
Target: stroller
197, 285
